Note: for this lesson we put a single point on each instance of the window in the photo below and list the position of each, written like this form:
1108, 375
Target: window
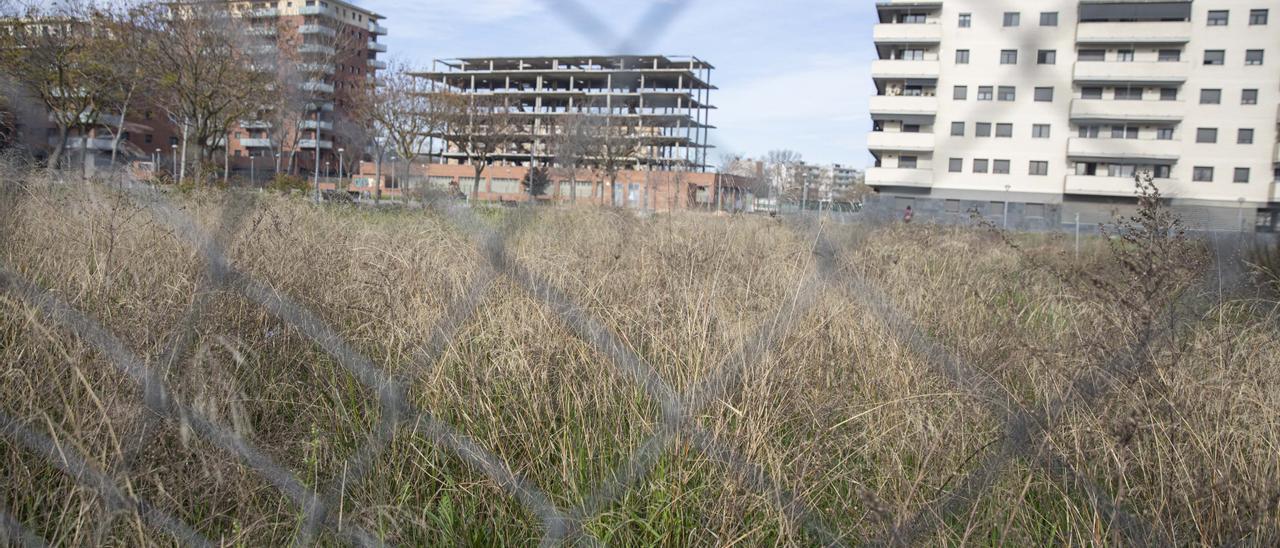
985, 93
1168, 94
1040, 131
1120, 170
1004, 130
1206, 135
1047, 57
1007, 93
147, 138
1164, 134
1008, 57
1170, 55
1253, 57
907, 162
1241, 175
962, 57
1202, 174
1012, 18
1089, 132
966, 20
1215, 56
911, 54
1038, 168
1049, 19
1000, 167
1218, 18
983, 130
955, 165
1044, 95
960, 93
1249, 97
913, 19
1092, 55
1244, 136
957, 129
1163, 171
1128, 94
979, 165
1124, 55
1210, 96
1257, 17
1091, 93
1124, 132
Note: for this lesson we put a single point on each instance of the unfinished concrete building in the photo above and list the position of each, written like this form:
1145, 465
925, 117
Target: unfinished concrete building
663, 100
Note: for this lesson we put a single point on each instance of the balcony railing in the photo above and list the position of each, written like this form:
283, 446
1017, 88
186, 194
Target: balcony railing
1134, 32
263, 13
375, 46
1152, 72
311, 144
906, 33
254, 124
904, 105
377, 29
316, 48
255, 142
378, 65
898, 68
1101, 185
317, 67
317, 86
1123, 149
1103, 110
313, 10
915, 142
879, 176
324, 125
317, 29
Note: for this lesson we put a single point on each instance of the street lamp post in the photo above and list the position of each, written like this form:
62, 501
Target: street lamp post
173, 151
1004, 221
341, 151
155, 165
253, 161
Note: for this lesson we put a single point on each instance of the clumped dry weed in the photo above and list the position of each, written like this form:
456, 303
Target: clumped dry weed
842, 413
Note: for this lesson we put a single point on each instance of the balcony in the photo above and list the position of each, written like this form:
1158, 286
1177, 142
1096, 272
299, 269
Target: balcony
891, 33
883, 105
1123, 149
377, 29
317, 29
313, 10
254, 124
311, 144
317, 67
262, 31
897, 68
1136, 111
881, 176
1275, 156
317, 49
255, 143
914, 142
377, 65
374, 46
324, 125
263, 13
317, 86
1151, 72
1107, 186
1135, 32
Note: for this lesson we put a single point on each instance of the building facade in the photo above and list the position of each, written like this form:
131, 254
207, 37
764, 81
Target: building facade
1048, 108
663, 100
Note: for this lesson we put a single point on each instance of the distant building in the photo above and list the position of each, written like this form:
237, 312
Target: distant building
1052, 106
666, 99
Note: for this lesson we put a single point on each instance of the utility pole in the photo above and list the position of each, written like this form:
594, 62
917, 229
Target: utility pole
316, 168
341, 152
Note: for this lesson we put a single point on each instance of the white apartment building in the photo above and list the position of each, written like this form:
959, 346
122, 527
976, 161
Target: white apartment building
1050, 106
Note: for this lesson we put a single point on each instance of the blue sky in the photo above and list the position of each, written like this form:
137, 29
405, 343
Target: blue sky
792, 74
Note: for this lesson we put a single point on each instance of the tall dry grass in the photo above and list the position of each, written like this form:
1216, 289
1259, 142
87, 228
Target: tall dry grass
842, 412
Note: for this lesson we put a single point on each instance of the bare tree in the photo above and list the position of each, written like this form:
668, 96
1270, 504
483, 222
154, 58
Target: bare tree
616, 141
573, 143
482, 128
118, 69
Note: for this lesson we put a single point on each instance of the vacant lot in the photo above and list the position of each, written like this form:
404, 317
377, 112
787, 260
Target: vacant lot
875, 403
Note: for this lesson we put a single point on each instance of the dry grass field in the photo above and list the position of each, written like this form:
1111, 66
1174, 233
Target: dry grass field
844, 412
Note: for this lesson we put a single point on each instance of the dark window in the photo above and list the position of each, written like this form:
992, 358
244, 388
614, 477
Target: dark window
1249, 97
1218, 18
1044, 95
1124, 132
1049, 19
983, 129
1089, 132
955, 165
960, 93
1007, 93
1168, 94
1128, 94
1001, 167
962, 57
1257, 17
907, 162
1012, 18
147, 138
1092, 55
985, 93
1170, 55
1124, 55
1040, 131
1253, 57
1244, 136
911, 128
1163, 171
1242, 175
1210, 96
1091, 93
979, 165
966, 20
1047, 57
1008, 57
1202, 174
1215, 57
1039, 168
957, 129
1164, 134
1004, 130
1206, 135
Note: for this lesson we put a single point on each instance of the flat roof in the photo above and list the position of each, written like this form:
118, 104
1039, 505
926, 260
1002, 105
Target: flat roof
664, 61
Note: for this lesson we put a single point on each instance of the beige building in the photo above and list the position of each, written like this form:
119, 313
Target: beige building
1051, 106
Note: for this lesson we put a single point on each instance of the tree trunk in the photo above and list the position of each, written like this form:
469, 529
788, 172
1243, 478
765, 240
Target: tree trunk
182, 162
84, 153
475, 183
377, 178
55, 155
